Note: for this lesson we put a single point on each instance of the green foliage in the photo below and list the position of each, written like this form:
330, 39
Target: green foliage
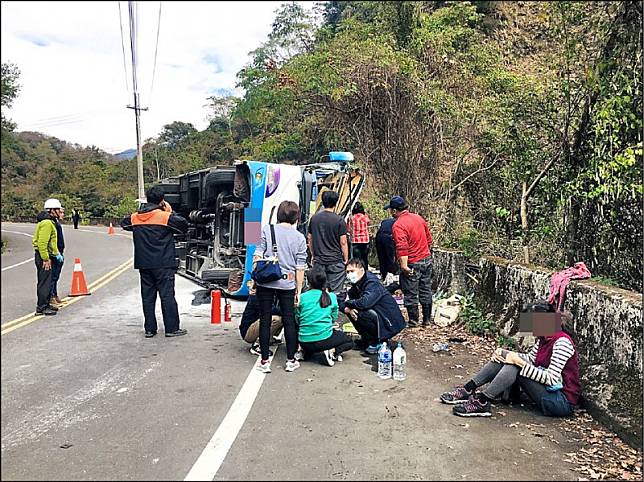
475, 322
505, 342
126, 205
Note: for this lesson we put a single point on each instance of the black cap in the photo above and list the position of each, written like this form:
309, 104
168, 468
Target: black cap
397, 202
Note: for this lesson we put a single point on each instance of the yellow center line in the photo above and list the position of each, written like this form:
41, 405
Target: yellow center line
99, 283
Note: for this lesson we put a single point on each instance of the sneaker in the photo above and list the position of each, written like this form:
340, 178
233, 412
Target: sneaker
299, 355
150, 334
458, 395
337, 358
328, 358
412, 324
256, 350
179, 332
47, 311
473, 408
292, 365
264, 367
373, 349
52, 307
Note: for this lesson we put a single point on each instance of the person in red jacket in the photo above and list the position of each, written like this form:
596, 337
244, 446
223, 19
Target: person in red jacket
153, 227
413, 241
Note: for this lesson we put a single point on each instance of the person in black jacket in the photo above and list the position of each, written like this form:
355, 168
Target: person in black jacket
386, 249
371, 308
153, 227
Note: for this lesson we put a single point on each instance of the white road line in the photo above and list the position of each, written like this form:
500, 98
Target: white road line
18, 264
17, 232
208, 463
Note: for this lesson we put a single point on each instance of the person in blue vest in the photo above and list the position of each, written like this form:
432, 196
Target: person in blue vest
371, 308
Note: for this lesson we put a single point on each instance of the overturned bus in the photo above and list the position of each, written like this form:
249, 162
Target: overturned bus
227, 207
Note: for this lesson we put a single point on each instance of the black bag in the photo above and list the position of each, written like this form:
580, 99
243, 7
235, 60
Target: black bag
268, 270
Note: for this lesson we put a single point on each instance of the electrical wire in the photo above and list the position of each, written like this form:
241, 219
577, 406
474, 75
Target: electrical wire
133, 44
127, 85
156, 50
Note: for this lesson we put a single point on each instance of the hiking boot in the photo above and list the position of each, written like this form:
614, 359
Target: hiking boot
473, 408
150, 334
179, 332
427, 314
412, 314
53, 302
52, 307
47, 311
58, 300
458, 395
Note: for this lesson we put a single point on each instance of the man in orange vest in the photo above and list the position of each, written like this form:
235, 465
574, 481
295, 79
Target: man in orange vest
153, 227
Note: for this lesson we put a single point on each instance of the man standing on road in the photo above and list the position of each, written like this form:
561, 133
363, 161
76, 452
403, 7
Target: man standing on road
153, 226
328, 244
45, 243
75, 218
413, 242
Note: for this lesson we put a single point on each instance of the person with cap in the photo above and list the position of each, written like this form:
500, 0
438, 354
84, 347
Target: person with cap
153, 227
413, 242
45, 243
56, 263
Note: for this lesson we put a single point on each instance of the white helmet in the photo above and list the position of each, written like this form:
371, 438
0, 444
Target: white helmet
52, 204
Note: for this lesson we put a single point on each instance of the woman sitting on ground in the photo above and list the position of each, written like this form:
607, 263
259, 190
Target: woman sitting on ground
549, 373
316, 313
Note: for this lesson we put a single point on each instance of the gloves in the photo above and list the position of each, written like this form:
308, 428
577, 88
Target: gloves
60, 258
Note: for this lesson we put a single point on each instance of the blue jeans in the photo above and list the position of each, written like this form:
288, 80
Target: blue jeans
56, 268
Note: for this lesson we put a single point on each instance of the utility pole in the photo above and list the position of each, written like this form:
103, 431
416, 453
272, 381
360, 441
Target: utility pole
136, 107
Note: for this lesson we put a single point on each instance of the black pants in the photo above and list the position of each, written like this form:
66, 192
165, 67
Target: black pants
44, 283
266, 297
75, 223
368, 325
418, 286
159, 280
338, 340
361, 251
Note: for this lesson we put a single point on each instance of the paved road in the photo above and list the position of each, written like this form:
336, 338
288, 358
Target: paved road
130, 408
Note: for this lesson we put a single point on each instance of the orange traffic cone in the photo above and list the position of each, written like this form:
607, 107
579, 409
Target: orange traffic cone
79, 287
110, 230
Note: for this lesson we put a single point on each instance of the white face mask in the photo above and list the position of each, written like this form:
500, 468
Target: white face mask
353, 277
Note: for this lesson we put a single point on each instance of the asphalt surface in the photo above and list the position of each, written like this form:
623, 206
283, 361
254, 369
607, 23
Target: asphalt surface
86, 397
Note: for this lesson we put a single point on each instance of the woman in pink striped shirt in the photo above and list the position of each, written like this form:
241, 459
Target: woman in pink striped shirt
358, 227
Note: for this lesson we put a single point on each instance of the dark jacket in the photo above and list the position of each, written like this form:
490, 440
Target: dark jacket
153, 233
42, 215
252, 313
386, 248
370, 294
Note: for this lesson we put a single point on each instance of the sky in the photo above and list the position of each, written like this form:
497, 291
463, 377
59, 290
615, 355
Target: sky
73, 79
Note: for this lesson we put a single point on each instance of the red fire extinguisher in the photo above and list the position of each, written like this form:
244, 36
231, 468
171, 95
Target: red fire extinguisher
227, 313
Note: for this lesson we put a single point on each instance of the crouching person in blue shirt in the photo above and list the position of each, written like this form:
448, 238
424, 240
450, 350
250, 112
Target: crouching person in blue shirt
371, 308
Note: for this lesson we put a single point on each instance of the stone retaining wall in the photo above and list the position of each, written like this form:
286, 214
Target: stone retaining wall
607, 329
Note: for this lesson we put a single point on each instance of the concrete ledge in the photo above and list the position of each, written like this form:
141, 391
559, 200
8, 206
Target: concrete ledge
607, 329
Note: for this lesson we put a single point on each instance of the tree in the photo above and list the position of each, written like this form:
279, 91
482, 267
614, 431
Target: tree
9, 90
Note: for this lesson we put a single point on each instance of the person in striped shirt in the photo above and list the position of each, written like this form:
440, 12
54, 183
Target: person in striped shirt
548, 373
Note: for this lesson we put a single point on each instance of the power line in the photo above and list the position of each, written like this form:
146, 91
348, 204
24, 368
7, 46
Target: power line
127, 86
156, 49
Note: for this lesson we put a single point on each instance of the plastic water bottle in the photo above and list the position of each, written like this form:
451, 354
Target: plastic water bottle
384, 362
400, 363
